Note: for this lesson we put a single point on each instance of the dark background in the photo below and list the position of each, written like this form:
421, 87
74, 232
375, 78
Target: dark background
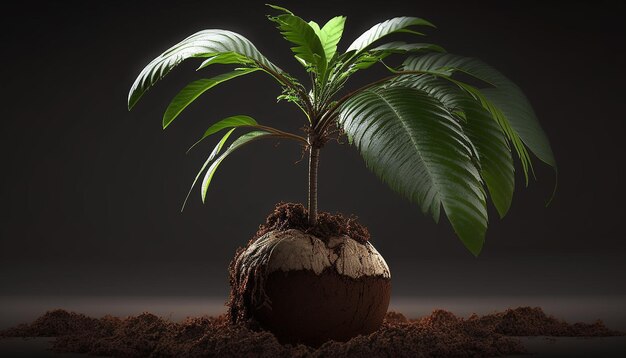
91, 193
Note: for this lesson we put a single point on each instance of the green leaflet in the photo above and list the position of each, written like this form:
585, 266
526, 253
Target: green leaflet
494, 153
513, 104
226, 58
213, 154
308, 49
234, 121
316, 27
416, 146
403, 47
505, 96
330, 35
372, 56
280, 8
369, 59
193, 90
505, 125
206, 43
229, 122
383, 29
238, 143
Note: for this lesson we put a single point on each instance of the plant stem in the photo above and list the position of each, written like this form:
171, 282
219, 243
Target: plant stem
280, 133
314, 157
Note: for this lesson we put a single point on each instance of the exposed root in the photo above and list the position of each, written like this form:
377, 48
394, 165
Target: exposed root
247, 275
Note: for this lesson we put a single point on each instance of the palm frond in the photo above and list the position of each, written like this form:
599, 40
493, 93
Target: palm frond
416, 146
206, 43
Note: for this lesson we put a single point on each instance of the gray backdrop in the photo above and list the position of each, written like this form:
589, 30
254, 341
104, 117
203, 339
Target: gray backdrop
91, 193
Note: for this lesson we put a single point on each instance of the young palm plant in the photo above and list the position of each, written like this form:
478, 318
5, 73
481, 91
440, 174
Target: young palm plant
438, 129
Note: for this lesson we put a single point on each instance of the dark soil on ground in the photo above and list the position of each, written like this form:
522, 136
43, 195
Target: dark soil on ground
295, 216
441, 334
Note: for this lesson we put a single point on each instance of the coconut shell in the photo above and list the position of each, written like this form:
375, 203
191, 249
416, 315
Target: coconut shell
308, 290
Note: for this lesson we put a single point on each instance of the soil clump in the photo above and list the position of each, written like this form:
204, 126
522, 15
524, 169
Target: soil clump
295, 216
438, 334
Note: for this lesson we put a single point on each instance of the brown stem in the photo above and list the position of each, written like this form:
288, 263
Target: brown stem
280, 133
314, 157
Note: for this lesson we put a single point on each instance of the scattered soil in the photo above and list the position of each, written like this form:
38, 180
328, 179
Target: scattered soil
295, 216
441, 334
532, 321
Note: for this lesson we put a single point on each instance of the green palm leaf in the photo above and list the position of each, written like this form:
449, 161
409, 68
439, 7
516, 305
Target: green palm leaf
238, 143
214, 153
403, 47
437, 140
308, 49
378, 31
496, 162
228, 122
372, 56
416, 146
206, 43
225, 58
506, 96
516, 108
330, 34
193, 90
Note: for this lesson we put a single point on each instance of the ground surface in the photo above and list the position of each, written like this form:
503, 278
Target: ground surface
537, 347
438, 334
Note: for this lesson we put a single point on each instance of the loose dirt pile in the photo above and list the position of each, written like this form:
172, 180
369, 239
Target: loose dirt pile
295, 216
441, 334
